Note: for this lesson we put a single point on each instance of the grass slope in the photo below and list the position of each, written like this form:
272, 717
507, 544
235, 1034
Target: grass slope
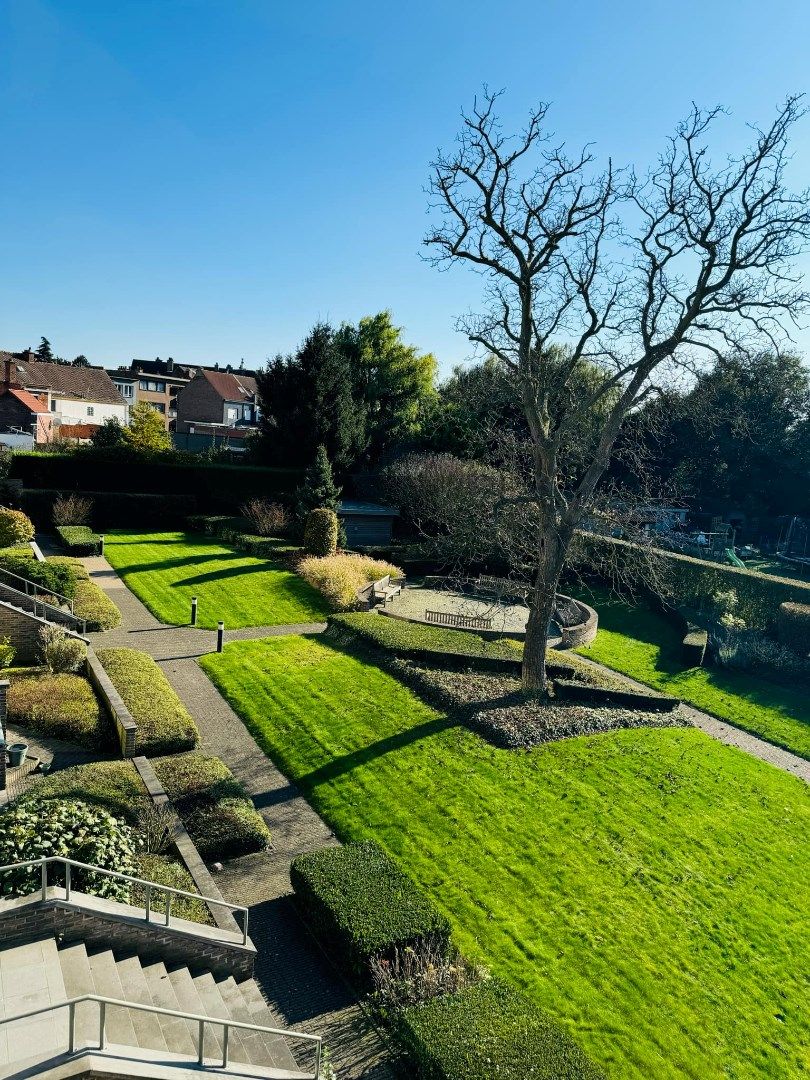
646, 887
643, 644
165, 570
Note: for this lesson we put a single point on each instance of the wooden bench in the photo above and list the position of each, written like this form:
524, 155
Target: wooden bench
460, 622
384, 591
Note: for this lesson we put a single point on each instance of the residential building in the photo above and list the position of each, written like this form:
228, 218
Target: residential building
76, 397
217, 408
24, 419
127, 386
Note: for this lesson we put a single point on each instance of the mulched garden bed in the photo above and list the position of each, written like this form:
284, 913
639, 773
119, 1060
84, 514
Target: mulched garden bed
497, 708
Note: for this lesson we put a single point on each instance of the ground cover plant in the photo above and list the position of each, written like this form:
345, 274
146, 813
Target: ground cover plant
645, 645
213, 805
60, 705
165, 570
645, 887
164, 723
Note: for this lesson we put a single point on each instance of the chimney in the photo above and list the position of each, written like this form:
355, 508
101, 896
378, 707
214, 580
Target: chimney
170, 365
7, 373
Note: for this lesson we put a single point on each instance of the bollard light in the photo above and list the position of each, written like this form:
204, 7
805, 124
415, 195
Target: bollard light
220, 635
194, 611
101, 544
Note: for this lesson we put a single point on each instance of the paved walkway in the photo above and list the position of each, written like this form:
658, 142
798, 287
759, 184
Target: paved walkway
297, 979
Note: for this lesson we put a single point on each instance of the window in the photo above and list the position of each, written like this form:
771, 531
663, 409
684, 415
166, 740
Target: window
53, 406
158, 406
126, 389
153, 385
231, 413
90, 410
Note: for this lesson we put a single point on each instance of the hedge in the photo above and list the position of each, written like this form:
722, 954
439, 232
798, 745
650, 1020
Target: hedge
793, 626
90, 602
692, 581
115, 510
419, 641
213, 805
490, 1030
361, 905
164, 724
211, 484
115, 785
233, 531
62, 706
54, 577
79, 539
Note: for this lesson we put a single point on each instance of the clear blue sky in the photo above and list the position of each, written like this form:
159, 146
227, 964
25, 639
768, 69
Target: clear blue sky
206, 178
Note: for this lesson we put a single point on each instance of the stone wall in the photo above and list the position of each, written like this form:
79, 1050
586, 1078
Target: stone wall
113, 703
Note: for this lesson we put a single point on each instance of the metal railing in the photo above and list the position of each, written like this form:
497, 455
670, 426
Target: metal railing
32, 589
149, 886
219, 1021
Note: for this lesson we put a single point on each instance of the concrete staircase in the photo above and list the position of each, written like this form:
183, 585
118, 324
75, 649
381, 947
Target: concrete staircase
42, 972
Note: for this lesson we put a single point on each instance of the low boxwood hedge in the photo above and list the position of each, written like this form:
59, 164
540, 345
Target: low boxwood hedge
55, 577
234, 531
213, 805
361, 905
419, 641
115, 785
90, 602
63, 706
490, 1030
164, 724
79, 539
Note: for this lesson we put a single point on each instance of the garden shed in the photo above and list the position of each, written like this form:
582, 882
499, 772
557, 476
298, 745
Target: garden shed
367, 524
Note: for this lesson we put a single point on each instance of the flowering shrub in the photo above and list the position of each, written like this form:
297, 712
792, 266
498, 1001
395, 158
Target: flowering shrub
37, 828
15, 527
339, 577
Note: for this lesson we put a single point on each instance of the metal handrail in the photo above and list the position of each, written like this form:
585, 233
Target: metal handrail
221, 1021
36, 588
169, 890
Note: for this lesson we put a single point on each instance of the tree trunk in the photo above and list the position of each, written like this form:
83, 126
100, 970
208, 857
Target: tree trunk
541, 609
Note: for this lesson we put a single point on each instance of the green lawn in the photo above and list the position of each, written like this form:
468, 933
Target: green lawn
648, 887
165, 570
643, 644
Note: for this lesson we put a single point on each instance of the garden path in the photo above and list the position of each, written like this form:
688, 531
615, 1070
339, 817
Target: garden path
297, 979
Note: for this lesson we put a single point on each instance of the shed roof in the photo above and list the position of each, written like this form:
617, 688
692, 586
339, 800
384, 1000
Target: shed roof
352, 508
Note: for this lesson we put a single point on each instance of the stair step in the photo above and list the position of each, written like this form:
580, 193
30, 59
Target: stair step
175, 1031
240, 1042
147, 1025
119, 1026
31, 976
78, 977
258, 1045
260, 1013
190, 1002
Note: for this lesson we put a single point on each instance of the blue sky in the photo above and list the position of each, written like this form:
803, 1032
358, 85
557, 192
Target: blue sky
205, 179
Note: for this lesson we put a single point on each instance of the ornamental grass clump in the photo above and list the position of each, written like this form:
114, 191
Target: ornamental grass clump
338, 577
37, 829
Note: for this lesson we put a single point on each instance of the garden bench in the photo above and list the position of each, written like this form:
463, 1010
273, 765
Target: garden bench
385, 591
460, 622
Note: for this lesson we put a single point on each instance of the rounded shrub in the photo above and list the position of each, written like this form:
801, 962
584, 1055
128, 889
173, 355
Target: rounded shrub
15, 527
321, 532
37, 828
793, 626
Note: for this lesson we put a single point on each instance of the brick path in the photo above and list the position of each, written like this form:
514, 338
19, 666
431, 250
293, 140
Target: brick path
297, 979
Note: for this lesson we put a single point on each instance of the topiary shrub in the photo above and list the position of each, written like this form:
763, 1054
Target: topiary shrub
363, 906
15, 527
793, 626
321, 532
490, 1030
79, 539
38, 828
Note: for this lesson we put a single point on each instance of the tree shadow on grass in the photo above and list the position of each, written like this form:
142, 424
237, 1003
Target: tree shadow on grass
229, 572
339, 766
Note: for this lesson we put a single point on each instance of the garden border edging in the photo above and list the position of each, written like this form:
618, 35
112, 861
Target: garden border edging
124, 722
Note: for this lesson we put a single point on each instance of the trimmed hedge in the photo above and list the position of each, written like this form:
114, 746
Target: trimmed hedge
569, 690
213, 485
490, 1030
213, 805
233, 531
167, 871
90, 602
55, 577
321, 531
361, 905
793, 626
63, 706
115, 785
418, 641
79, 539
164, 724
115, 509
693, 581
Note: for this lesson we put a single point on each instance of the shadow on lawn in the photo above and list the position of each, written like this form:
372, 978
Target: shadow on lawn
231, 572
339, 766
175, 564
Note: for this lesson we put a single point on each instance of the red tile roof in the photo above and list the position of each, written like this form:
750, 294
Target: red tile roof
31, 402
231, 385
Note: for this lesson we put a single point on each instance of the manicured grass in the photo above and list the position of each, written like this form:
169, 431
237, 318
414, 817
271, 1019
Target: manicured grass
165, 570
646, 887
643, 644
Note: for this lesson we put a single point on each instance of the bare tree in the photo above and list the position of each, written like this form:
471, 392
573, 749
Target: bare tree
633, 276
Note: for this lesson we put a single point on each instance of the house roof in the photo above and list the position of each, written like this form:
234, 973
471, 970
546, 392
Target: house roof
84, 383
351, 508
232, 386
30, 402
